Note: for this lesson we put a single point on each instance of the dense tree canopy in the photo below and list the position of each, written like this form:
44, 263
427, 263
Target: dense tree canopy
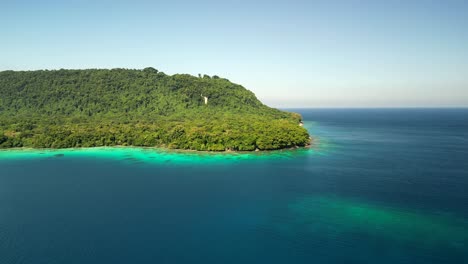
88, 108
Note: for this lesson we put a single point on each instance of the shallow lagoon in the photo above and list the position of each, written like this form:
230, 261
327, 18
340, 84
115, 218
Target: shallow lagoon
377, 186
154, 155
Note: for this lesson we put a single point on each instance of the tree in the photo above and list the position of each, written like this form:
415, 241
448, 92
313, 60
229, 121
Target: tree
87, 108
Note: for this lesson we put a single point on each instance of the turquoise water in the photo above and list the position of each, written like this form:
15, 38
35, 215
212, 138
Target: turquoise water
376, 186
154, 155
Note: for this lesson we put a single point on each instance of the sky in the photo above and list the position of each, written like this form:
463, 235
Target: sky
346, 53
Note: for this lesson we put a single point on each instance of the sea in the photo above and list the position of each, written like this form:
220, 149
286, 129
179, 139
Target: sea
376, 186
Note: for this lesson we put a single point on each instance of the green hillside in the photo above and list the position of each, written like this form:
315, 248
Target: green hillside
89, 108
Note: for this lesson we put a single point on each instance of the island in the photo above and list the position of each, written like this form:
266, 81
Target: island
148, 108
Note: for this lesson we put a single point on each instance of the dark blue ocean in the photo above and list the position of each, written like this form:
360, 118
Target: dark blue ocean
377, 186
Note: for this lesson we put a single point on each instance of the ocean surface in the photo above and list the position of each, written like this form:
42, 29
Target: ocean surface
376, 186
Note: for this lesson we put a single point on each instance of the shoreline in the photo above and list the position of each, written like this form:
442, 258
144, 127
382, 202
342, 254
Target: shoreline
161, 149
152, 155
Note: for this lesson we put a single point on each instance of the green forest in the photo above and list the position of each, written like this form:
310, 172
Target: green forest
123, 107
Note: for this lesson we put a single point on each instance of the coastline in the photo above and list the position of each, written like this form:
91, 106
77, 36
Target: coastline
157, 148
137, 155
160, 149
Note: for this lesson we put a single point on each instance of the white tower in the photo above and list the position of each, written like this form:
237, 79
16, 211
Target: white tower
206, 98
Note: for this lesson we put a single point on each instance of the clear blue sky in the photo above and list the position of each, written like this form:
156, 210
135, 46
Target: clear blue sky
290, 53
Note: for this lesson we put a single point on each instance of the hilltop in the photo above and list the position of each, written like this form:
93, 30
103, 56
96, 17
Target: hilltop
100, 107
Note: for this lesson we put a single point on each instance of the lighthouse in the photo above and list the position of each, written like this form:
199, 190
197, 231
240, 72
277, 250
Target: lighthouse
205, 98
